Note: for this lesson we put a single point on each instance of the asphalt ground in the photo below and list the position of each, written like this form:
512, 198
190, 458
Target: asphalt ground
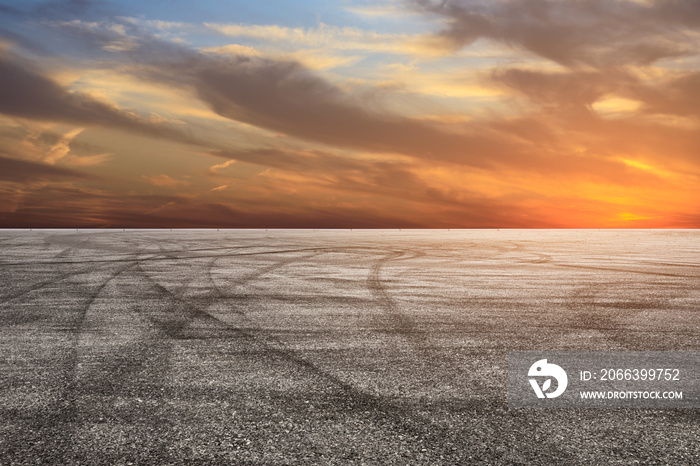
331, 347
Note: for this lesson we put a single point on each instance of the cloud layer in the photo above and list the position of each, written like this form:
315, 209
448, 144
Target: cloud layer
581, 113
30, 94
598, 33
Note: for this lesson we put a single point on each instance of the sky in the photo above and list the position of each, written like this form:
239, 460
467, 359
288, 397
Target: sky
350, 114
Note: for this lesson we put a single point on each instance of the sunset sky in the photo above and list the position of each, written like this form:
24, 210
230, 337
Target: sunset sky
321, 114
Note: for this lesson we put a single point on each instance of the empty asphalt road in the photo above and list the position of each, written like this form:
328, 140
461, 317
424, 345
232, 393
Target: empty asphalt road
330, 347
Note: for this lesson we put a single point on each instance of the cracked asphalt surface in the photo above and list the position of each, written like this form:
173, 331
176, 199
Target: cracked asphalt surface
330, 347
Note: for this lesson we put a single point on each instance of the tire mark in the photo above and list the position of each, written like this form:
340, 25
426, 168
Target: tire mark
396, 413
402, 324
612, 269
614, 315
125, 369
174, 328
55, 423
25, 289
586, 313
650, 262
53, 281
404, 418
348, 397
7, 240
157, 257
74, 357
64, 275
171, 254
255, 275
83, 241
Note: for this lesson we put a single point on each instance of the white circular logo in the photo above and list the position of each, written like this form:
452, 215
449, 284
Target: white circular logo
542, 369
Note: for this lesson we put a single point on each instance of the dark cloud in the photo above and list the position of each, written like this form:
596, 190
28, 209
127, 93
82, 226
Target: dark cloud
565, 106
22, 171
10, 10
58, 207
55, 206
676, 96
56, 9
570, 89
69, 8
576, 91
285, 97
326, 170
598, 33
27, 93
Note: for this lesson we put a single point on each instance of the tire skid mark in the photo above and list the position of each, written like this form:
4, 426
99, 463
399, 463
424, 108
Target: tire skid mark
587, 313
221, 294
46, 283
401, 415
650, 262
157, 257
134, 364
52, 281
66, 252
76, 383
402, 324
548, 259
614, 269
218, 292
37, 285
57, 422
185, 313
409, 255
608, 317
85, 242
192, 305
170, 253
62, 275
74, 356
126, 368
11, 238
404, 419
